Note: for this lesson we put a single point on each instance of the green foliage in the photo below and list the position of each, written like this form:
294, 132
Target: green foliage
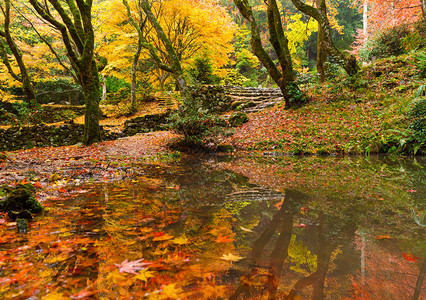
23, 113
298, 98
58, 91
234, 78
416, 38
196, 123
420, 62
417, 116
385, 44
21, 198
202, 72
114, 84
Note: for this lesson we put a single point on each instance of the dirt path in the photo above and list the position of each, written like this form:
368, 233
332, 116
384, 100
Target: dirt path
103, 161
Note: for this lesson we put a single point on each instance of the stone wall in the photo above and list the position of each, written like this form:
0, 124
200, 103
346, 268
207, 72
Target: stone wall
15, 138
146, 124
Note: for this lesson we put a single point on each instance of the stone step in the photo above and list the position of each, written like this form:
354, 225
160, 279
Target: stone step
256, 99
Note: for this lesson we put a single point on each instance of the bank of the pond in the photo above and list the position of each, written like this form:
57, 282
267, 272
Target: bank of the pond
377, 111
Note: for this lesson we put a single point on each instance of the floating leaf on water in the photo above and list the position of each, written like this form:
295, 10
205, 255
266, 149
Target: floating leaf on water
246, 229
231, 257
132, 266
144, 275
180, 240
382, 237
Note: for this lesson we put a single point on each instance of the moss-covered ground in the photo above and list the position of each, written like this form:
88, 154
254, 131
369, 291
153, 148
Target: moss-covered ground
362, 114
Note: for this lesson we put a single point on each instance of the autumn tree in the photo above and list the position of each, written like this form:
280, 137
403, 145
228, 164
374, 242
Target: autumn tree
194, 29
74, 22
6, 39
325, 35
284, 78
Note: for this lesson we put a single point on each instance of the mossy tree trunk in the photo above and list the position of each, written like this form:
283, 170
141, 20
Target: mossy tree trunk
348, 63
284, 78
175, 67
321, 50
24, 76
423, 6
75, 25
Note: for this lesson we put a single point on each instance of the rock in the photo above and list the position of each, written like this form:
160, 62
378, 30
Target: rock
21, 225
21, 198
25, 214
238, 119
225, 148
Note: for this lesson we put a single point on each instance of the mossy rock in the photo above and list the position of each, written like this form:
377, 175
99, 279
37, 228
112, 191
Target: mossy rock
238, 119
21, 198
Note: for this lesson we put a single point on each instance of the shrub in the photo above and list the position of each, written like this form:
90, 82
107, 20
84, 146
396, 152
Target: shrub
420, 62
27, 113
386, 43
202, 72
417, 124
196, 123
417, 38
234, 78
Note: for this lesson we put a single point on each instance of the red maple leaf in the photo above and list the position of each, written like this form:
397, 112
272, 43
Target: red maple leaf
224, 239
410, 257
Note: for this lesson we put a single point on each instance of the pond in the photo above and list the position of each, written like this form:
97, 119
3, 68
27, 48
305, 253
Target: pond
272, 227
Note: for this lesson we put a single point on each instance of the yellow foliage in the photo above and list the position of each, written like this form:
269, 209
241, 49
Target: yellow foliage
195, 28
299, 31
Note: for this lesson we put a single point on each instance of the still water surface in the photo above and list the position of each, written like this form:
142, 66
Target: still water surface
229, 228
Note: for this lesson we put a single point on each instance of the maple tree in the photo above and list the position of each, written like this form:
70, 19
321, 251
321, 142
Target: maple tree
77, 33
194, 28
6, 38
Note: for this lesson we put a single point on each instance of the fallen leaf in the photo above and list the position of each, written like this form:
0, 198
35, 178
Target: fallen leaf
181, 240
246, 229
224, 239
164, 237
231, 257
382, 237
132, 266
410, 257
144, 275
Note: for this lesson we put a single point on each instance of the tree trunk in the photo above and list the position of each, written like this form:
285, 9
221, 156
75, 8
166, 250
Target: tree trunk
423, 6
134, 70
420, 279
92, 95
321, 49
348, 63
104, 89
171, 53
284, 79
365, 18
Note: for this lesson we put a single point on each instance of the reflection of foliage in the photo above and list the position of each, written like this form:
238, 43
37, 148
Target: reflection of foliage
304, 262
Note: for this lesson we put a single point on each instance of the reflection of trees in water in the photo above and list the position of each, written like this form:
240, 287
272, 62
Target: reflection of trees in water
386, 273
327, 240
